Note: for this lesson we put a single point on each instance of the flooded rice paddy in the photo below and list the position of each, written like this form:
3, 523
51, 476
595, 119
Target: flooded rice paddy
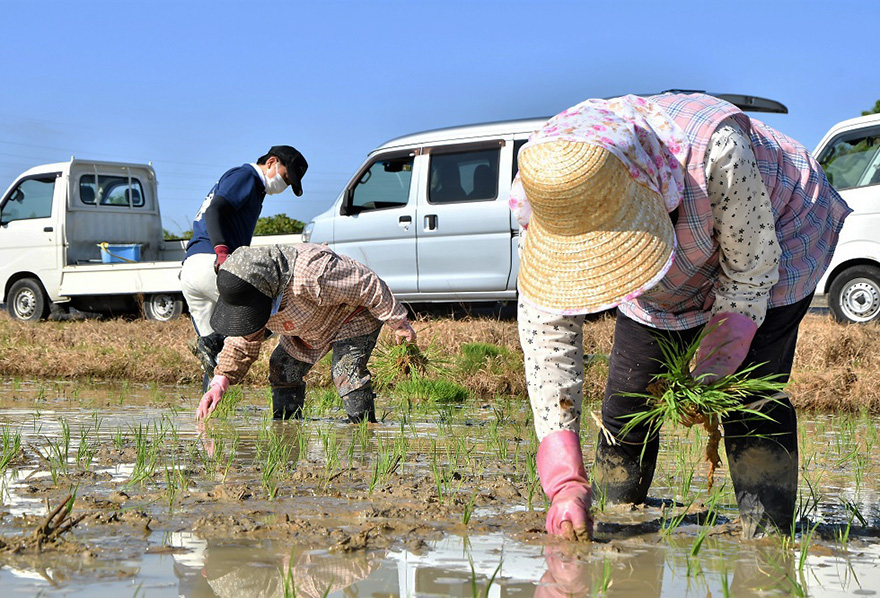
436, 500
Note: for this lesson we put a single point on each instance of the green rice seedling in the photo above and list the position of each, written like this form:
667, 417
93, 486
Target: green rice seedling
708, 523
669, 524
725, 581
176, 479
323, 401
676, 397
392, 363
469, 508
387, 461
10, 447
147, 456
227, 407
475, 590
86, 450
276, 460
119, 438
601, 585
854, 513
477, 356
806, 539
434, 391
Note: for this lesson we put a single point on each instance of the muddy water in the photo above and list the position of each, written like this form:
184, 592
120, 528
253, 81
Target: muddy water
433, 501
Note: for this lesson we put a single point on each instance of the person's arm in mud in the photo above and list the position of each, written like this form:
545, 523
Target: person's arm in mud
346, 281
233, 363
745, 231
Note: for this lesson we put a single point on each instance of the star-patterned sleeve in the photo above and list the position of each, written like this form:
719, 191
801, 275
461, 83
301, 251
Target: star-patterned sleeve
744, 225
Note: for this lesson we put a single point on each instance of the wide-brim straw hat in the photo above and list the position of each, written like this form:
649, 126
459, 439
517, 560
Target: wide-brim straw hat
596, 237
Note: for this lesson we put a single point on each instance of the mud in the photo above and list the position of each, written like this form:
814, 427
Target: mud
431, 502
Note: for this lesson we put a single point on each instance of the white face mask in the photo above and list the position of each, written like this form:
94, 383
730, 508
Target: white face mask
276, 184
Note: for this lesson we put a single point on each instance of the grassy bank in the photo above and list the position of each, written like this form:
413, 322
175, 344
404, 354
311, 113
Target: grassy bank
836, 367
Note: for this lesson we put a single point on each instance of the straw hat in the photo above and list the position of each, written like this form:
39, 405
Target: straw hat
596, 237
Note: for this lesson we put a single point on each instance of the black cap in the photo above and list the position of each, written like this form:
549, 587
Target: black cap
295, 164
242, 309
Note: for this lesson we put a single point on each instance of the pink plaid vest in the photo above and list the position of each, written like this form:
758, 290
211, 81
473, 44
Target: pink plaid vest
808, 212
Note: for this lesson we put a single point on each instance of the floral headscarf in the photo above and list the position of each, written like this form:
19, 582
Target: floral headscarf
634, 129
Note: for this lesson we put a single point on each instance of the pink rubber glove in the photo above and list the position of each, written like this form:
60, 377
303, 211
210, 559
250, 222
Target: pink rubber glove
222, 252
566, 576
564, 480
725, 346
405, 332
212, 398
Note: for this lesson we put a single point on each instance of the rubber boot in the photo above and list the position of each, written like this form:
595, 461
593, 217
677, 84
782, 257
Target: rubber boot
623, 473
564, 480
206, 349
764, 476
288, 401
360, 405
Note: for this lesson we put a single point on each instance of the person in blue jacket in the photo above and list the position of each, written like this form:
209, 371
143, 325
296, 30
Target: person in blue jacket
225, 222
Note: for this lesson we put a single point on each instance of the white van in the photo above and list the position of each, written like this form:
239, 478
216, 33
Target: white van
850, 155
428, 212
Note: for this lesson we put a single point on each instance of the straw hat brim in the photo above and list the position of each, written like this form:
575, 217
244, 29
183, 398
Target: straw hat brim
599, 269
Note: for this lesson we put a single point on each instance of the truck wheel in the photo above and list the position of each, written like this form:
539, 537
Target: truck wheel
27, 301
163, 306
854, 295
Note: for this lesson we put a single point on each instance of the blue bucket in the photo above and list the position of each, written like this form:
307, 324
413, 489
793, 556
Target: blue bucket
118, 254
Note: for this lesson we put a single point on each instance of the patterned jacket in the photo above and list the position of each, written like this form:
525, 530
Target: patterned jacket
807, 210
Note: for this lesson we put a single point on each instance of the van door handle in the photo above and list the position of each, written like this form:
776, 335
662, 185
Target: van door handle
404, 222
47, 229
431, 222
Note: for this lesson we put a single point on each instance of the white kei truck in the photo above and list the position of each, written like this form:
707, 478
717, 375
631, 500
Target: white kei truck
88, 235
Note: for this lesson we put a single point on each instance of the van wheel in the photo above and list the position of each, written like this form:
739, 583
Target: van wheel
854, 296
27, 301
163, 307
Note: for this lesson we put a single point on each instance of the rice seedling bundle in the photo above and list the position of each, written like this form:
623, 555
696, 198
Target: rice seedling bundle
676, 397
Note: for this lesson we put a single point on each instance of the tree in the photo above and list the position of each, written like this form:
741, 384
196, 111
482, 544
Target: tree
874, 110
169, 236
279, 224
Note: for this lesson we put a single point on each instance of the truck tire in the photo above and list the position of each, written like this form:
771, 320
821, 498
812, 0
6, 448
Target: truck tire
27, 300
854, 295
163, 307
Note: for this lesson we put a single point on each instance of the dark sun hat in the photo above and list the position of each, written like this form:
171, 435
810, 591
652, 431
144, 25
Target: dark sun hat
251, 282
242, 308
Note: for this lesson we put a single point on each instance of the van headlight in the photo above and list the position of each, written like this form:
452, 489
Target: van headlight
307, 232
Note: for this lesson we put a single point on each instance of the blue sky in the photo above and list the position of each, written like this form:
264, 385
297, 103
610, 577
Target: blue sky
199, 87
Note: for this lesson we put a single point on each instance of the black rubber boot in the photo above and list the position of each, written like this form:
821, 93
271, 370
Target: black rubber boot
621, 473
288, 402
206, 349
764, 471
360, 405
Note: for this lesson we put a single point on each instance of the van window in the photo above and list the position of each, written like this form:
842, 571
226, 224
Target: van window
464, 176
108, 190
517, 145
385, 184
853, 159
31, 199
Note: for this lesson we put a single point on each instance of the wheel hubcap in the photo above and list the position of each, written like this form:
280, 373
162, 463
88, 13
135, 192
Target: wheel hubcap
25, 304
861, 300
